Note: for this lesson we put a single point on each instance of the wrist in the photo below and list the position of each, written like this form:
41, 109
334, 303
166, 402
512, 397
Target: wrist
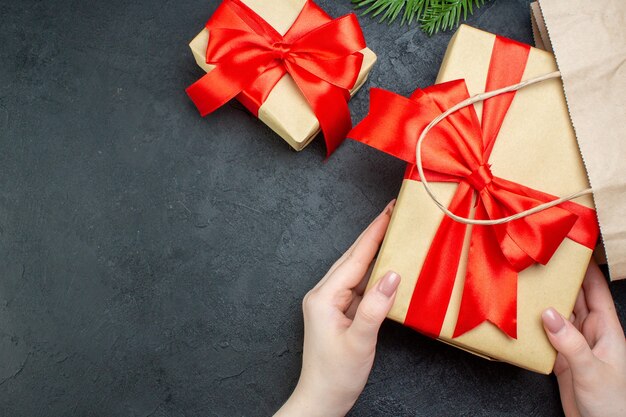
311, 401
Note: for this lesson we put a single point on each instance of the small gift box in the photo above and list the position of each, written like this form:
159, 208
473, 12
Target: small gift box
288, 62
483, 288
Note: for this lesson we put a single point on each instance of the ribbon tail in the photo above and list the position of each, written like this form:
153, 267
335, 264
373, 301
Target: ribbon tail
256, 93
334, 118
224, 82
431, 296
389, 125
329, 104
490, 290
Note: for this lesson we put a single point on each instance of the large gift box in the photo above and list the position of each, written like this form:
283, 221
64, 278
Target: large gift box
482, 288
287, 61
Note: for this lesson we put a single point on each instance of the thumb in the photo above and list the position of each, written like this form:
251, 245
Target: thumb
570, 343
373, 308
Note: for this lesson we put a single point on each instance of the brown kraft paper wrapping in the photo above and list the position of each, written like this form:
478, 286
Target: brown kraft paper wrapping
589, 41
285, 111
536, 147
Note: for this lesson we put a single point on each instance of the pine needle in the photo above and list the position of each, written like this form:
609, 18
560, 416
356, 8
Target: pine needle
446, 14
433, 15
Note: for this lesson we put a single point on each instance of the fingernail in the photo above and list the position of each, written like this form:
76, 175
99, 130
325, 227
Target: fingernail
553, 321
389, 284
389, 209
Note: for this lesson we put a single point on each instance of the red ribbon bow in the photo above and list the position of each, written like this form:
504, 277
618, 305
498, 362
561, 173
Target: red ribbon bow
457, 150
321, 55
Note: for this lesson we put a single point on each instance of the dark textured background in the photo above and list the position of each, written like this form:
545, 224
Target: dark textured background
152, 262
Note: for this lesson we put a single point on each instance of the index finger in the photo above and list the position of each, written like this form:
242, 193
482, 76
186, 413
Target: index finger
349, 273
598, 295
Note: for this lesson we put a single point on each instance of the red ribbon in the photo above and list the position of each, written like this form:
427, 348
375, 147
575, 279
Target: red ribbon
321, 55
457, 150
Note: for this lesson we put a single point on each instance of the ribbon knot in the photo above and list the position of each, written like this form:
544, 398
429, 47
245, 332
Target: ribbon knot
481, 177
281, 49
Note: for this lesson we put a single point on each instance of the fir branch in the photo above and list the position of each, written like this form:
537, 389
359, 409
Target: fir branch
446, 14
433, 15
390, 9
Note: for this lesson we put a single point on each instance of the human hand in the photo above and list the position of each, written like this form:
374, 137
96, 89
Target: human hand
340, 329
591, 362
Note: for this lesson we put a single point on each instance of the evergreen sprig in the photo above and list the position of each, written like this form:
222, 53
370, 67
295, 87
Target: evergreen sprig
433, 15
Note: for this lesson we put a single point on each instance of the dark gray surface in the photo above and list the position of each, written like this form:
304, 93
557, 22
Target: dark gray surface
152, 262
